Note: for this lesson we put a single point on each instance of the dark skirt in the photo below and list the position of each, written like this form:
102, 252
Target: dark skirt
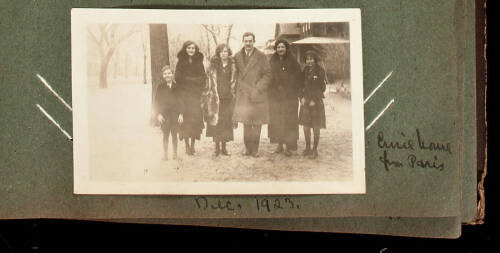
313, 116
193, 118
283, 122
223, 131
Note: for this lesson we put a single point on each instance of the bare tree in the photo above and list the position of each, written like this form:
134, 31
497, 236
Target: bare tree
108, 40
116, 62
217, 33
126, 66
208, 45
145, 51
159, 52
228, 33
214, 30
175, 45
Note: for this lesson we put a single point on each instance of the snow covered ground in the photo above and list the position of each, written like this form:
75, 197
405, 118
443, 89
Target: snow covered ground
124, 147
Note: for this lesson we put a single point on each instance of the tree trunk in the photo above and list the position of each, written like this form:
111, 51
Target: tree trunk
103, 83
145, 80
208, 46
103, 76
229, 30
159, 57
116, 65
126, 66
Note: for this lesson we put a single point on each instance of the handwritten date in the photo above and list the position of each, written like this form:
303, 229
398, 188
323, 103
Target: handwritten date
204, 204
269, 205
261, 204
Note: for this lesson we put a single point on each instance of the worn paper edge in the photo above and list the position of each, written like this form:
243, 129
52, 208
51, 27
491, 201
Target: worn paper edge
481, 204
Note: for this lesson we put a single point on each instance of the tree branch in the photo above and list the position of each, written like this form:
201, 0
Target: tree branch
229, 29
126, 36
93, 37
111, 32
212, 32
208, 45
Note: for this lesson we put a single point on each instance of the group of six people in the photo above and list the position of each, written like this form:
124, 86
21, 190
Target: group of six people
251, 89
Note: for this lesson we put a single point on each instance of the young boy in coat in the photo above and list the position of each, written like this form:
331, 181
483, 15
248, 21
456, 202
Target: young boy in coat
169, 107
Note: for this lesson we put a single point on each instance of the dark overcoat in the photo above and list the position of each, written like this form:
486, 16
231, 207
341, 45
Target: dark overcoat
252, 81
191, 79
314, 87
168, 101
284, 93
169, 104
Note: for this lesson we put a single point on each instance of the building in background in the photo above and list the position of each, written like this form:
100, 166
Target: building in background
329, 40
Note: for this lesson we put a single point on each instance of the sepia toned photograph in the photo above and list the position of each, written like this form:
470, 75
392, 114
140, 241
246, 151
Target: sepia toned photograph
227, 102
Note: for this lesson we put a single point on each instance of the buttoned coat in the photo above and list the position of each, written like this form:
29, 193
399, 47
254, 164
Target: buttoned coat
284, 92
252, 81
313, 89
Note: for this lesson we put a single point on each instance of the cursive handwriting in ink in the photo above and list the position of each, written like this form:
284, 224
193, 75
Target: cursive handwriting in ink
402, 143
433, 145
203, 203
262, 204
388, 163
413, 162
406, 144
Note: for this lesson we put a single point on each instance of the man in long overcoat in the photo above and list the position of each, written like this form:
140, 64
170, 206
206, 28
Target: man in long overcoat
253, 78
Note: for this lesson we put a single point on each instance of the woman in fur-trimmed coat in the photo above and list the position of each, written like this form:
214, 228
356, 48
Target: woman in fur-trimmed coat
191, 78
222, 77
284, 98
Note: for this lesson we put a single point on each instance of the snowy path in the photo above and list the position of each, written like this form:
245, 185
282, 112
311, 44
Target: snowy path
123, 147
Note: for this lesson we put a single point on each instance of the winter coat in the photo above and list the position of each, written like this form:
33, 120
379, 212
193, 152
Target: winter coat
251, 106
284, 93
314, 86
168, 102
191, 78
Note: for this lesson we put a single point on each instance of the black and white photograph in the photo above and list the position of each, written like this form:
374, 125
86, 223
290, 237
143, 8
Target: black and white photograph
227, 102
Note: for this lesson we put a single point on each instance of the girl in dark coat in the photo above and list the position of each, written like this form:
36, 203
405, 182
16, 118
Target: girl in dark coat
222, 72
169, 107
284, 98
312, 109
191, 78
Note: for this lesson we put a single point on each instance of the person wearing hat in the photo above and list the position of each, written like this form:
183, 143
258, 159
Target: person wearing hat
312, 109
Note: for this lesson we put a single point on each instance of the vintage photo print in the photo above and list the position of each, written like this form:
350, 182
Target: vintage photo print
192, 102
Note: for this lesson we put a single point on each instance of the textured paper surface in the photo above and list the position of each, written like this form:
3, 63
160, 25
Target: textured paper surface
469, 187
417, 40
446, 227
